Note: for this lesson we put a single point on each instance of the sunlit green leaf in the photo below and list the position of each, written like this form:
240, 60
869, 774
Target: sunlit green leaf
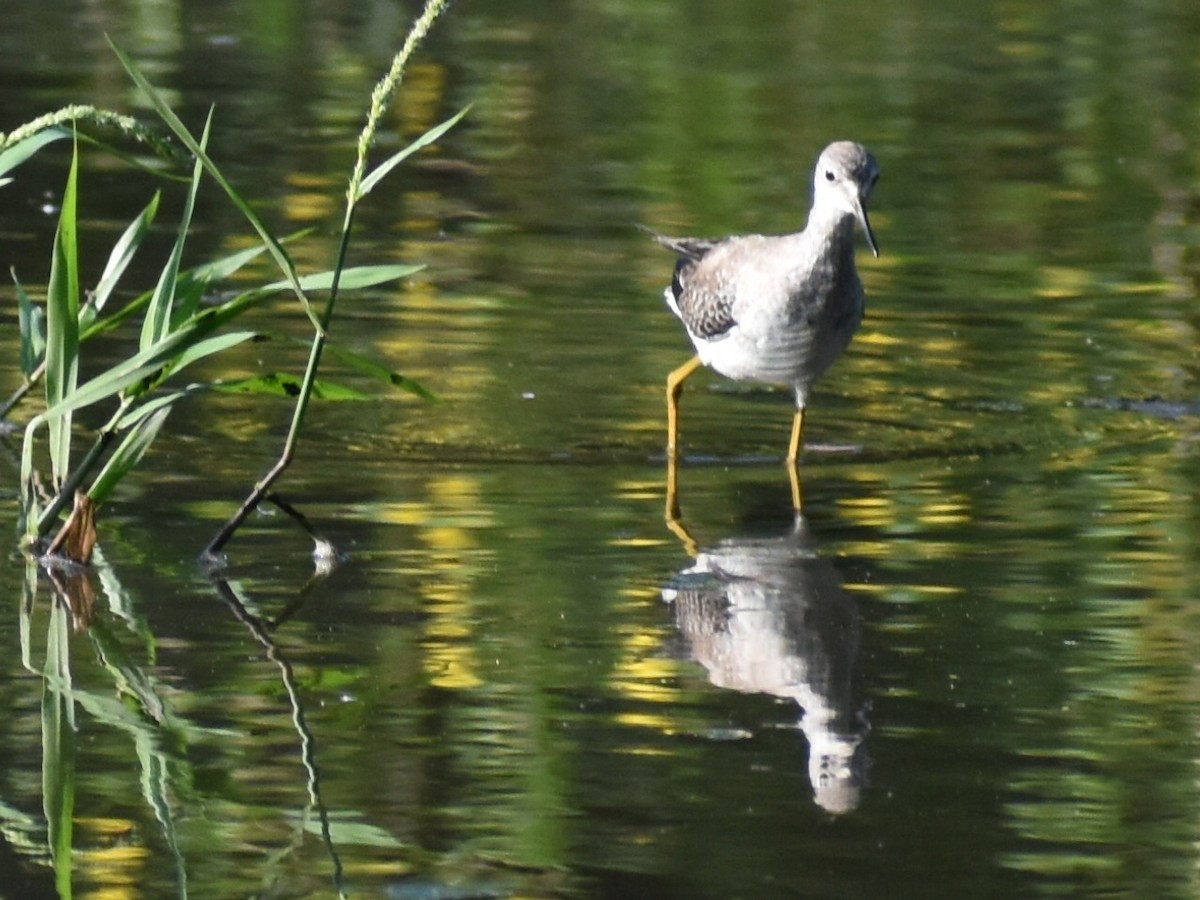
143, 410
278, 384
127, 455
173, 122
13, 156
354, 278
210, 346
191, 283
149, 362
158, 316
32, 323
364, 365
118, 261
381, 171
62, 324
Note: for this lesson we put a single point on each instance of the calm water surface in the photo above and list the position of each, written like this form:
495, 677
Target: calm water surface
970, 670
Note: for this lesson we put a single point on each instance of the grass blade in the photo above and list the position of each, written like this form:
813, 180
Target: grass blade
62, 324
148, 365
132, 417
32, 323
158, 317
351, 279
173, 122
283, 384
190, 287
128, 454
210, 346
19, 152
118, 261
381, 171
364, 365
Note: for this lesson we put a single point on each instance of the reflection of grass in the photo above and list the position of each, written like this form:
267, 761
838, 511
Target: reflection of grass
177, 326
138, 709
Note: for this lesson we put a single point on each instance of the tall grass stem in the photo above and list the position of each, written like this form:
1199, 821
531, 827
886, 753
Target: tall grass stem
381, 98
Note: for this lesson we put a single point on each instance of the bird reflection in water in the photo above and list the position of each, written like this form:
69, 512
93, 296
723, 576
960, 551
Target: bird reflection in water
770, 615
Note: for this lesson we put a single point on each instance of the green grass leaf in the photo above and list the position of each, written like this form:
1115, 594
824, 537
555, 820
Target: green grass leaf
62, 324
118, 260
173, 122
282, 384
209, 347
32, 322
13, 156
190, 287
364, 365
158, 316
150, 364
354, 278
128, 454
384, 168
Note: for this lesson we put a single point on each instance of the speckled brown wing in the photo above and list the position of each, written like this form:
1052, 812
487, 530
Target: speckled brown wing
704, 304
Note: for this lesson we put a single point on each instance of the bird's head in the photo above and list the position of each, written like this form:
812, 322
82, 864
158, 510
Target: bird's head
846, 172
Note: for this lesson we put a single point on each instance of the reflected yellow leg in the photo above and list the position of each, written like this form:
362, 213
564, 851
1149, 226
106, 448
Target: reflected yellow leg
674, 389
794, 454
797, 492
673, 518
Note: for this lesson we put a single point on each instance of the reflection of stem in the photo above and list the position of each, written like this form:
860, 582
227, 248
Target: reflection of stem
74, 595
58, 747
28, 596
308, 744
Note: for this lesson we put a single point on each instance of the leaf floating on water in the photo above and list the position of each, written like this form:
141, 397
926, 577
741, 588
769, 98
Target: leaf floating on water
424, 889
360, 834
277, 384
351, 279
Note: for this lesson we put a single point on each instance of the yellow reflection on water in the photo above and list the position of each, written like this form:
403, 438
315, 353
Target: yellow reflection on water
114, 863
310, 198
448, 523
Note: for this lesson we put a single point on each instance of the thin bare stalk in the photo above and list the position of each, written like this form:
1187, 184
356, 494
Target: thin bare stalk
381, 97
19, 394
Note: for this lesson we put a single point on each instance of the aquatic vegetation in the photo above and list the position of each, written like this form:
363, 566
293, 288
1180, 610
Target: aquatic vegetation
179, 323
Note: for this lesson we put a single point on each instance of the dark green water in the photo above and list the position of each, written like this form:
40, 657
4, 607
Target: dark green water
986, 620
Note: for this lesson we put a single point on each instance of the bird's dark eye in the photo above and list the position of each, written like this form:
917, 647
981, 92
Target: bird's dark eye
829, 176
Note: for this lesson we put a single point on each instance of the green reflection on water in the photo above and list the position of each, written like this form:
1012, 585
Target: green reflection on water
493, 680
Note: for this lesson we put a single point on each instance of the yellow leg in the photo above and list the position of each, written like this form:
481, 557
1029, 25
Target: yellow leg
797, 436
674, 389
793, 455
